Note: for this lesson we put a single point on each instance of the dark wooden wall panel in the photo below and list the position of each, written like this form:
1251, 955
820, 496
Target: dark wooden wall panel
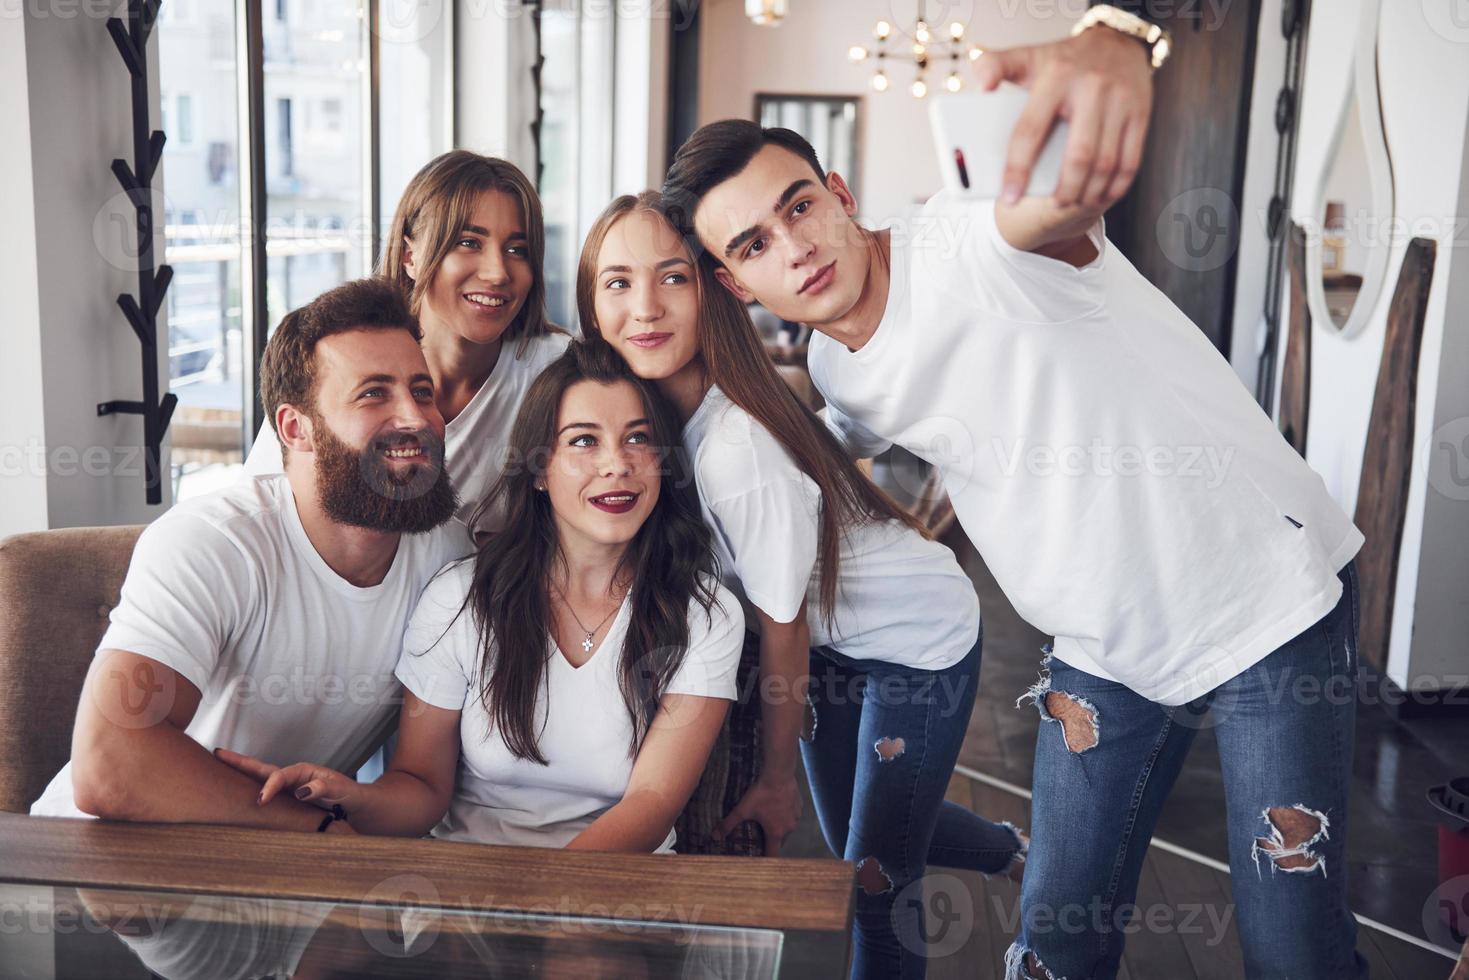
1180, 223
1295, 380
1382, 496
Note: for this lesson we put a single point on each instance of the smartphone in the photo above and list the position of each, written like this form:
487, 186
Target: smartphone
972, 132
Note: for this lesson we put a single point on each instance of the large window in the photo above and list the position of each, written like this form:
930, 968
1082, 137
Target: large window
576, 102
313, 65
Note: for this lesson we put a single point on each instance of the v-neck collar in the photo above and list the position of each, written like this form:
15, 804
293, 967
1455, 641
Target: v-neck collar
619, 625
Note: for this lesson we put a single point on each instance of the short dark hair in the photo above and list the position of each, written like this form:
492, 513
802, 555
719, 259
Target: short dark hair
288, 367
717, 152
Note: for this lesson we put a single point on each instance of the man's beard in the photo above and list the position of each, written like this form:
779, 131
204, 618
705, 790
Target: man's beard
362, 488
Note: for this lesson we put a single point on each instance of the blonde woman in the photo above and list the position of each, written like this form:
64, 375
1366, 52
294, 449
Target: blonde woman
466, 246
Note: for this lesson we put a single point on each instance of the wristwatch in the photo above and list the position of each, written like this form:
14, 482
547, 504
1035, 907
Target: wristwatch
1157, 40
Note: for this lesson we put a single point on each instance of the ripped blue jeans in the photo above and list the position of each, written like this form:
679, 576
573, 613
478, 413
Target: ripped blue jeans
882, 744
1106, 760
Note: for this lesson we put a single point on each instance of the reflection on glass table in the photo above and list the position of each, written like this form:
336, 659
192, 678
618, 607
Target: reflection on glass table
105, 932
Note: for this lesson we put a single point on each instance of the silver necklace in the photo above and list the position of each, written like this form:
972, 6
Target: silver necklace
586, 643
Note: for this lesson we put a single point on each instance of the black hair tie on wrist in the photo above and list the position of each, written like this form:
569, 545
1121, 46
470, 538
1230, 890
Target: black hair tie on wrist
337, 813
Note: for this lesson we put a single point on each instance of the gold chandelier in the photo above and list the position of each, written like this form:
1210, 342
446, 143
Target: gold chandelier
925, 51
766, 13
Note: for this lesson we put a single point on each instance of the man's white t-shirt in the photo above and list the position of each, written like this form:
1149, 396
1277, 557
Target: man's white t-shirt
291, 660
900, 598
1125, 490
585, 732
477, 440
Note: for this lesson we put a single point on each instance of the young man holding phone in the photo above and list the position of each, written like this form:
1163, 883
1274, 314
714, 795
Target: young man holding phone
1123, 487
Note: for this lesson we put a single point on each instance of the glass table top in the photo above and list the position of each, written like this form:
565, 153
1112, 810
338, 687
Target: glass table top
400, 930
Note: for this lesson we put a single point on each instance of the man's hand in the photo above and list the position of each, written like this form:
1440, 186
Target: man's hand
1101, 83
775, 804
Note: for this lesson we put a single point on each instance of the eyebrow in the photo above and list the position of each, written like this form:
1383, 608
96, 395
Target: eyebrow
380, 379
785, 198
666, 263
593, 425
484, 233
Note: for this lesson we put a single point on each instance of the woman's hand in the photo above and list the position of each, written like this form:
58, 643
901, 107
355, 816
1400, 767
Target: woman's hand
309, 783
774, 803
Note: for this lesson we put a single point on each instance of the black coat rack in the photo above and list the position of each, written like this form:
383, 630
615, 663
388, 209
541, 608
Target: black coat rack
137, 181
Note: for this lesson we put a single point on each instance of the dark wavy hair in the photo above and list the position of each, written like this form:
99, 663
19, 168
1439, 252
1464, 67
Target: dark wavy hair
669, 559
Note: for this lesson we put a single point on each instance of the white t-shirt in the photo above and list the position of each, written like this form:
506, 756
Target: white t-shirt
292, 661
585, 732
900, 597
477, 440
1125, 490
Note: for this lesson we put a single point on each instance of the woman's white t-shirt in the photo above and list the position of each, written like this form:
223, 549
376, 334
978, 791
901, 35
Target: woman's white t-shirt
585, 730
1125, 490
477, 440
900, 598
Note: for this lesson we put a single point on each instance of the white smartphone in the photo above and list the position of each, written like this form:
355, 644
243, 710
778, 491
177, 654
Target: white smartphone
972, 132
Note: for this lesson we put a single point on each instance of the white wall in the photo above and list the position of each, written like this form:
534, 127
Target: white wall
1263, 142
70, 260
1423, 78
807, 54
22, 423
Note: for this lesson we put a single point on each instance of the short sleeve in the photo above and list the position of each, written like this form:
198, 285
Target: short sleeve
773, 533
441, 645
859, 441
182, 598
715, 641
1011, 283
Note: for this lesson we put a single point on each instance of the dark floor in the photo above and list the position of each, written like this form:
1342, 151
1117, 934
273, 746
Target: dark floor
1392, 838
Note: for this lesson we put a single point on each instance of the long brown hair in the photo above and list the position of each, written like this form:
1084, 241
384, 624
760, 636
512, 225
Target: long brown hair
435, 208
735, 359
669, 560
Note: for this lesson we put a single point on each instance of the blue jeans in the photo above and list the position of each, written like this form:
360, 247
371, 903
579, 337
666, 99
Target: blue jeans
1285, 730
879, 758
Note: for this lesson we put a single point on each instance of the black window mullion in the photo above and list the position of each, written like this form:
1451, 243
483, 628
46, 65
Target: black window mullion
250, 48
374, 139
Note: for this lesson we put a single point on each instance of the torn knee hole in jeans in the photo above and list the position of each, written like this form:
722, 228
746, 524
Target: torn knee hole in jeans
1080, 724
1023, 964
872, 878
808, 723
1294, 831
889, 749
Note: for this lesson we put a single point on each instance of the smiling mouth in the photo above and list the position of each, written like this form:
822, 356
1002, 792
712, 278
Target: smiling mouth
820, 279
647, 340
411, 452
616, 502
488, 301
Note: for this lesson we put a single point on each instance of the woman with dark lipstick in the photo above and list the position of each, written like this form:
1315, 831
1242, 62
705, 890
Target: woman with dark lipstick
564, 687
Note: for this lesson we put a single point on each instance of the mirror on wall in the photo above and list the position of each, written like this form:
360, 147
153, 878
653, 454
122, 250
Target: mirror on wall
1348, 225
1354, 204
830, 123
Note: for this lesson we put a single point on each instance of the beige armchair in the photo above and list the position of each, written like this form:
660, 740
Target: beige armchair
56, 591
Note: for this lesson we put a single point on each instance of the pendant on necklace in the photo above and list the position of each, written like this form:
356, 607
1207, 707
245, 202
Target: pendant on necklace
587, 643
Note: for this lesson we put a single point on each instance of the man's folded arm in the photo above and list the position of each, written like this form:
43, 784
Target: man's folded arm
131, 758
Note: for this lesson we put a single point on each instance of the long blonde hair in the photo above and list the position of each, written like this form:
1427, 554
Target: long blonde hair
435, 208
735, 359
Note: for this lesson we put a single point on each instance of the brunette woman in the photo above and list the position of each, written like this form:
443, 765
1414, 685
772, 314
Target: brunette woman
564, 687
